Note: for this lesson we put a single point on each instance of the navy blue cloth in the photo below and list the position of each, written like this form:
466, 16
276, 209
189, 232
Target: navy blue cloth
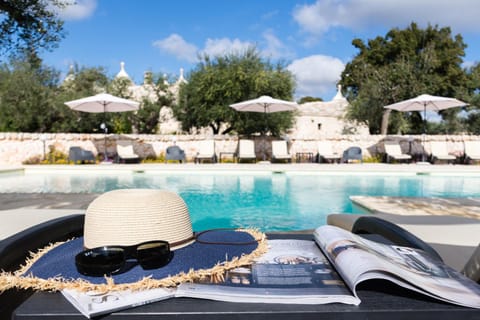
60, 261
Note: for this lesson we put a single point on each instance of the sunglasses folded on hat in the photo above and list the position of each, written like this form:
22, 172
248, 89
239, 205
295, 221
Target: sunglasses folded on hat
140, 237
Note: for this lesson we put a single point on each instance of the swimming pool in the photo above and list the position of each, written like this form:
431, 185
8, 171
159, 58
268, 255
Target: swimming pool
270, 202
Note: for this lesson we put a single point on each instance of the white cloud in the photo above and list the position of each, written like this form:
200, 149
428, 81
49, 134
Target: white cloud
274, 47
220, 47
177, 46
320, 17
316, 75
78, 9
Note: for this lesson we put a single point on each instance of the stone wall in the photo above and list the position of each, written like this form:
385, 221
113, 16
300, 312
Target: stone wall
18, 147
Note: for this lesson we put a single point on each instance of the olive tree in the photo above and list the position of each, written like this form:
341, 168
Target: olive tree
402, 65
217, 82
30, 25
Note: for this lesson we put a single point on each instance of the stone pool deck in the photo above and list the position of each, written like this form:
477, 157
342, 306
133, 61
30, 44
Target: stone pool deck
461, 207
20, 211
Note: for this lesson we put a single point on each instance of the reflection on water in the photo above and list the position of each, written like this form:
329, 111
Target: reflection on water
268, 202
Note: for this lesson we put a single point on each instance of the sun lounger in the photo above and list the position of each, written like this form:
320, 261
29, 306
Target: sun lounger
439, 152
125, 153
401, 237
246, 150
326, 154
454, 238
280, 152
394, 152
79, 155
472, 151
15, 250
393, 233
206, 151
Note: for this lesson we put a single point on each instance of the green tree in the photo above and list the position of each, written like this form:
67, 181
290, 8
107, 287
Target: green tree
80, 83
401, 65
30, 25
32, 99
309, 99
28, 96
147, 117
472, 119
217, 82
121, 122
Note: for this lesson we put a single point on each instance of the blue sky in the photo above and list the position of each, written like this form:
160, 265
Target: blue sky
312, 37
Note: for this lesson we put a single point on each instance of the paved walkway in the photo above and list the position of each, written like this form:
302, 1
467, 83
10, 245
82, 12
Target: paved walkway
31, 201
20, 211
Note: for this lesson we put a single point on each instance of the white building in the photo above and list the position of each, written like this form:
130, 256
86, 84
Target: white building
321, 119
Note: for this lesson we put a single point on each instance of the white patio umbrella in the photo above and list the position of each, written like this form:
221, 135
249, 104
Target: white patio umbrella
103, 102
426, 102
265, 104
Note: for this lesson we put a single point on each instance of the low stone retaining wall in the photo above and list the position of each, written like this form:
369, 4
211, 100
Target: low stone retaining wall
15, 148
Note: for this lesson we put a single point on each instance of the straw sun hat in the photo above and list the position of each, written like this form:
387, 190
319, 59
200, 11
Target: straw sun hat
128, 217
131, 216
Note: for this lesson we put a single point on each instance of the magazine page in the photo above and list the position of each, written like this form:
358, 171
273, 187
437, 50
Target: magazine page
292, 271
358, 259
92, 304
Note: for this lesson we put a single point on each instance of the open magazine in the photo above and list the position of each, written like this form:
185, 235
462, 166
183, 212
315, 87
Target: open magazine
300, 271
358, 259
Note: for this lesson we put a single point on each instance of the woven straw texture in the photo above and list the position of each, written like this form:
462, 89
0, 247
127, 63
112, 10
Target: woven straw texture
131, 216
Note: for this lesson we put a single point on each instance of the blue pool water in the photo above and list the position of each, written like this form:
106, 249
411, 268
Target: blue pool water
269, 202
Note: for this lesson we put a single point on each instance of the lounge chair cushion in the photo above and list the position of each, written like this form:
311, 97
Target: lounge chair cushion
125, 151
439, 152
394, 152
206, 151
246, 149
472, 150
325, 152
279, 151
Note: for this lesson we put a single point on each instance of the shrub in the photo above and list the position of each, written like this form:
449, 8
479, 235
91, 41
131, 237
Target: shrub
52, 157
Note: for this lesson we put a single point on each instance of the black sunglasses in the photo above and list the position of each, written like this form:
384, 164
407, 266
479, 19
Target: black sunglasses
108, 260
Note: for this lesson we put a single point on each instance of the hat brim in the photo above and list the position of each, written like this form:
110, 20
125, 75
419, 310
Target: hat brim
216, 252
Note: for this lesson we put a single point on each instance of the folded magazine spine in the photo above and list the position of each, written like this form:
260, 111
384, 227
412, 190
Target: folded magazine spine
291, 272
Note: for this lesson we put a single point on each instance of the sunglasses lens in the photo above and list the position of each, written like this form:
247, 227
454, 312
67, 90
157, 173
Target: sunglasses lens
100, 261
153, 254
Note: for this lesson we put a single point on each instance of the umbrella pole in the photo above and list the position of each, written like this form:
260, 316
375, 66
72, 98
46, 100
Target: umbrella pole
424, 129
105, 130
265, 132
105, 145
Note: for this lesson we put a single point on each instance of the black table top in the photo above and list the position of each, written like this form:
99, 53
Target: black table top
384, 301
380, 300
